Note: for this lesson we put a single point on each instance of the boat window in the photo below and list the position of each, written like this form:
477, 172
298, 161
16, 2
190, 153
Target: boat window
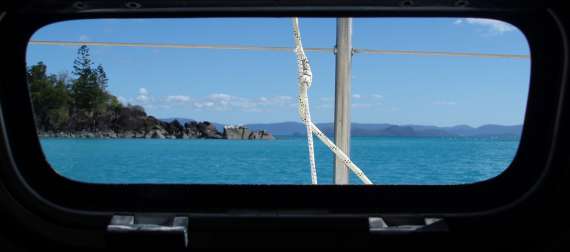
215, 100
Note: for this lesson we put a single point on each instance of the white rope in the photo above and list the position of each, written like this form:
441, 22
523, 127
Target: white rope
305, 80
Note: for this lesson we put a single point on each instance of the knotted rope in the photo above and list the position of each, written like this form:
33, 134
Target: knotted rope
305, 80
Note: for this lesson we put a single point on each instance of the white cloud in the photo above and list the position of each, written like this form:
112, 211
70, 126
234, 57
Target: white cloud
274, 101
143, 95
213, 102
356, 96
226, 102
445, 103
221, 102
377, 96
220, 96
494, 26
177, 98
198, 104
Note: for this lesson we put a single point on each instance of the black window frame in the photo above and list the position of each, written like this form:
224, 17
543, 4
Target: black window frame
27, 175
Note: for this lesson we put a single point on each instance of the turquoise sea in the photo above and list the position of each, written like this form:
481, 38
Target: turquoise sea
385, 160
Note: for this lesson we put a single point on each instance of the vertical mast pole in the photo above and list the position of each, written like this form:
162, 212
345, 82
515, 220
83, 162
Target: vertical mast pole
343, 77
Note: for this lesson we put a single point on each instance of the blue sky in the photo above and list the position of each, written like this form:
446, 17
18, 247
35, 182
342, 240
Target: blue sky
260, 87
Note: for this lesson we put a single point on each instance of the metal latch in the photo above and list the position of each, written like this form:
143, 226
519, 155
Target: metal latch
405, 225
140, 231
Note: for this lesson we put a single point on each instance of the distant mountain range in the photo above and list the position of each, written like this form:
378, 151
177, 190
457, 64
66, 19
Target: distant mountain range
381, 129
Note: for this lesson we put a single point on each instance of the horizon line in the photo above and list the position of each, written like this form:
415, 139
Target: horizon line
299, 122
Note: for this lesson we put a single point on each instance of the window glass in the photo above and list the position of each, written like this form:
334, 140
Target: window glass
214, 100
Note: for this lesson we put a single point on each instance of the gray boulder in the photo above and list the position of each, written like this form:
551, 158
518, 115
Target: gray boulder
261, 135
156, 134
208, 130
236, 132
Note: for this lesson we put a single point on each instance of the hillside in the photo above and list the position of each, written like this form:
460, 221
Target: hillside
382, 129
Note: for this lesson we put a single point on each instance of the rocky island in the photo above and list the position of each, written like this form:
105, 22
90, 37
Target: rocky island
152, 128
133, 122
80, 106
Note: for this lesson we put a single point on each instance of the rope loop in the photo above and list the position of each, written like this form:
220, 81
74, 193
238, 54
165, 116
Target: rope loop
305, 80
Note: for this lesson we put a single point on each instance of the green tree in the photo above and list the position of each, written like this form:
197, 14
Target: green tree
90, 98
101, 77
76, 103
50, 97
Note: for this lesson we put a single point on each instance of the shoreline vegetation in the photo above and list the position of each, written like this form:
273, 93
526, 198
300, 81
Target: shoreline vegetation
79, 106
